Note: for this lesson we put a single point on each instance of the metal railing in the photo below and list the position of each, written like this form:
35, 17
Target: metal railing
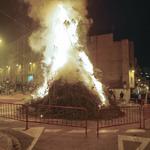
118, 116
59, 115
47, 114
146, 114
75, 116
14, 111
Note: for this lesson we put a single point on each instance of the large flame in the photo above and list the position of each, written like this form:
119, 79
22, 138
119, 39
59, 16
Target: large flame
64, 55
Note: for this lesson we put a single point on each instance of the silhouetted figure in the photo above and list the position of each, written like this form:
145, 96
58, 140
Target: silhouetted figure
112, 97
121, 96
139, 98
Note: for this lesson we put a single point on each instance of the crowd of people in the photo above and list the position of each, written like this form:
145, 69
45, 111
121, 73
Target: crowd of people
112, 97
8, 87
138, 98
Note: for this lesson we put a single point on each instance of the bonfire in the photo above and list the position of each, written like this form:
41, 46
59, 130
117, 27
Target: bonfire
69, 78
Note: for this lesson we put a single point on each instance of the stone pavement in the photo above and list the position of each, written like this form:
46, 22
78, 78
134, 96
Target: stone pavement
68, 138
15, 98
109, 139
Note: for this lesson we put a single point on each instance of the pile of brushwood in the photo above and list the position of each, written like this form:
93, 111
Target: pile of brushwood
62, 93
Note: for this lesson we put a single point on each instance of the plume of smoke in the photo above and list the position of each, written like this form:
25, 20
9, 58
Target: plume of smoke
63, 47
41, 9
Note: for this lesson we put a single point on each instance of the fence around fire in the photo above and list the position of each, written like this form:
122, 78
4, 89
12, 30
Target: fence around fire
75, 116
119, 116
146, 114
59, 115
47, 114
13, 111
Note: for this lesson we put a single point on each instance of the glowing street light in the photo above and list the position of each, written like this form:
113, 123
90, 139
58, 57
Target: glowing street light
147, 87
1, 42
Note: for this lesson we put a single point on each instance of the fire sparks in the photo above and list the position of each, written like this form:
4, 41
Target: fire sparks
64, 52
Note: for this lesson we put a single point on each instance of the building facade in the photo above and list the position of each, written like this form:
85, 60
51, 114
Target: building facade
20, 63
115, 59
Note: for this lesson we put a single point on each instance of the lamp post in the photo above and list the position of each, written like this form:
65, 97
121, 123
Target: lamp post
1, 42
1, 74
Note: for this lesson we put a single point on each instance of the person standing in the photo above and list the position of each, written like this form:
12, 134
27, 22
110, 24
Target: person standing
121, 95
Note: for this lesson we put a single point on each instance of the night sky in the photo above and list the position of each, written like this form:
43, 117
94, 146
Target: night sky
125, 18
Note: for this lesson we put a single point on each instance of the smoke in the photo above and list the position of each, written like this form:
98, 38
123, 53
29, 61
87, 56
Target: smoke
42, 10
62, 39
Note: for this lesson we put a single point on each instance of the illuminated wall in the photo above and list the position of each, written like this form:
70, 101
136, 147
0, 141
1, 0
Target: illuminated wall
114, 58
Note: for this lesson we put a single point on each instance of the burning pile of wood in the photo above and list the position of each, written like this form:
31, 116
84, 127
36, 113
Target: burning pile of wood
62, 93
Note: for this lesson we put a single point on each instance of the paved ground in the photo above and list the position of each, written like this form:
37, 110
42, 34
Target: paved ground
68, 138
109, 139
15, 98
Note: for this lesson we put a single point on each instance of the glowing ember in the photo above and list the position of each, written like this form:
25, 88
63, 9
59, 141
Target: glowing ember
64, 55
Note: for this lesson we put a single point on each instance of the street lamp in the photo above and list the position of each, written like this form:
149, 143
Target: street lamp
1, 42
